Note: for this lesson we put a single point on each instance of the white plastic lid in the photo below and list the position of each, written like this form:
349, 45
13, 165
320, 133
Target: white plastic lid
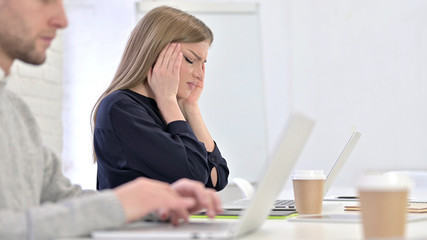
386, 182
308, 174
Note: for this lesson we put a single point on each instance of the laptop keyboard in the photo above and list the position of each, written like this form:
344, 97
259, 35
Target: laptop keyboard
284, 204
279, 204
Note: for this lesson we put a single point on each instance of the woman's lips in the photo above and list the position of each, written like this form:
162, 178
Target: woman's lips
191, 85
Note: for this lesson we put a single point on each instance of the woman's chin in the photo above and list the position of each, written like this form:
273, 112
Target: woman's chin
183, 95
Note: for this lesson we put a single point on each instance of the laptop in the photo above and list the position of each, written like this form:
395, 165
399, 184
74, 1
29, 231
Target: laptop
278, 170
289, 205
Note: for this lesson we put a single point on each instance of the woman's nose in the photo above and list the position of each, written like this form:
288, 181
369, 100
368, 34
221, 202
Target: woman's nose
198, 74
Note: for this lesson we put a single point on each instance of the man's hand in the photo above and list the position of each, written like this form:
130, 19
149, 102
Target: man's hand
143, 195
176, 201
205, 198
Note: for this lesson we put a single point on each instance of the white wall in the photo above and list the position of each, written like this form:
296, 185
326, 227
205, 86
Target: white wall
362, 65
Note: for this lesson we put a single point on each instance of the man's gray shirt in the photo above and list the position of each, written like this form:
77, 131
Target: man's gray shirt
36, 200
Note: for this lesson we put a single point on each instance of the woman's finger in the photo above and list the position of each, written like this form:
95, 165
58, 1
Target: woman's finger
168, 56
176, 59
161, 57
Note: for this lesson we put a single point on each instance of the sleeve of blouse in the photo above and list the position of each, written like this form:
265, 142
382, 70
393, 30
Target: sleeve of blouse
163, 154
215, 159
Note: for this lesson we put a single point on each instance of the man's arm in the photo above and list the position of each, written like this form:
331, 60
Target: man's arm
56, 186
73, 217
65, 209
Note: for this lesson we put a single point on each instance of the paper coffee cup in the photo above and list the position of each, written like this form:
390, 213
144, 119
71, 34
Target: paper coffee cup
308, 191
383, 201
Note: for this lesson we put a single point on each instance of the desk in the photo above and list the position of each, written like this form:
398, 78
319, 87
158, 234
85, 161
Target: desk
290, 230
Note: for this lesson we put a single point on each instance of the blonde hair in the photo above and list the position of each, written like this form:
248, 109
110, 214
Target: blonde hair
159, 27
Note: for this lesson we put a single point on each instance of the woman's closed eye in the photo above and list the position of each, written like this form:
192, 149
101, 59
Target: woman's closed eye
188, 60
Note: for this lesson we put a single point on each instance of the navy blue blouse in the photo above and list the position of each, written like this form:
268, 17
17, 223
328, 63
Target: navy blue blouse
132, 140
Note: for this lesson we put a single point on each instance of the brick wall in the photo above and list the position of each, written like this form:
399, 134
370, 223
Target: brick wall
41, 88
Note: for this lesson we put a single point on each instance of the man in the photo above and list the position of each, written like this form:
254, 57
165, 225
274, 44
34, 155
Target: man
36, 200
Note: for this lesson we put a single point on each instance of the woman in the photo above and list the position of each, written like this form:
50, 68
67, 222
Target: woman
148, 122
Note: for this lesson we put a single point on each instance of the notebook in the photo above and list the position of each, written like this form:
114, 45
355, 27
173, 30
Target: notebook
289, 205
287, 151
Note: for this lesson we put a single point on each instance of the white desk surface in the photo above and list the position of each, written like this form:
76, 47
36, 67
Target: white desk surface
285, 229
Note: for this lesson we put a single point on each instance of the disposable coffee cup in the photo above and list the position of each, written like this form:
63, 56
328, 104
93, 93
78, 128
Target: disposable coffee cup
383, 201
308, 191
